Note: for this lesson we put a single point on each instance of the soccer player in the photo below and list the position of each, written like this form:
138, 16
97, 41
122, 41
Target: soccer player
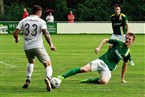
33, 27
119, 26
107, 62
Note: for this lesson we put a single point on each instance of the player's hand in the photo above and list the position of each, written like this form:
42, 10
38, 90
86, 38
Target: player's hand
17, 40
53, 48
132, 63
123, 81
97, 50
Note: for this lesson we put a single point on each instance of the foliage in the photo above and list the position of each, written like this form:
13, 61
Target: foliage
61, 10
13, 12
93, 11
84, 10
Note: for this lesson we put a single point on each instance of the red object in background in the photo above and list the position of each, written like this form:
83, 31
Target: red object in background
71, 17
25, 13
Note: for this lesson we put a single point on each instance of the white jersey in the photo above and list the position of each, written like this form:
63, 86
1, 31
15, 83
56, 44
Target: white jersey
32, 31
50, 18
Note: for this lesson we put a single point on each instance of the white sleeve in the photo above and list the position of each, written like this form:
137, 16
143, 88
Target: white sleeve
44, 25
52, 18
19, 26
47, 18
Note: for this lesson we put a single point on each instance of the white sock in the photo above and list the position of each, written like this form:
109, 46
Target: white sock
29, 70
49, 71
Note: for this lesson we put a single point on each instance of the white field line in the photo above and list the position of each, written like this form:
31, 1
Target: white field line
7, 64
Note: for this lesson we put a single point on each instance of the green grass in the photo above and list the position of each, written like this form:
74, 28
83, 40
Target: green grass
72, 51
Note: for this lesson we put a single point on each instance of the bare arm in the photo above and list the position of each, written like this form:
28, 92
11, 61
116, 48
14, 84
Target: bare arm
127, 28
101, 45
15, 35
124, 68
48, 39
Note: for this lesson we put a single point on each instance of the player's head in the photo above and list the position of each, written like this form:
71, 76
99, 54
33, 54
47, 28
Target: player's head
117, 9
37, 10
25, 9
129, 38
71, 12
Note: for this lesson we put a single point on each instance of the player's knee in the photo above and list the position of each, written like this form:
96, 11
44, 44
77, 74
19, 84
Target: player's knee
31, 62
85, 69
104, 80
47, 64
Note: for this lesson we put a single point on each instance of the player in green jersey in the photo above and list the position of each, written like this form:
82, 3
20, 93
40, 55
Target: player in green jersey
119, 25
107, 62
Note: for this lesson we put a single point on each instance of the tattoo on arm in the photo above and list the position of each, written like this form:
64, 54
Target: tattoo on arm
47, 36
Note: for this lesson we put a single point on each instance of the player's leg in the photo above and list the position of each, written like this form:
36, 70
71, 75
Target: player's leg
29, 68
48, 69
74, 71
43, 57
101, 67
105, 76
102, 80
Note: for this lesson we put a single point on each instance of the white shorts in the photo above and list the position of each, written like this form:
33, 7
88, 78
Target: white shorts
40, 53
119, 37
101, 67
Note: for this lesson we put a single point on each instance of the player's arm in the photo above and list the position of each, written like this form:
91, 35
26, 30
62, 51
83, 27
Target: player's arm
127, 28
112, 26
112, 22
126, 23
48, 39
15, 35
124, 68
101, 45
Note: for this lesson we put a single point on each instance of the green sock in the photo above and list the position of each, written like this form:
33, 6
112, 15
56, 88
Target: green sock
91, 80
71, 72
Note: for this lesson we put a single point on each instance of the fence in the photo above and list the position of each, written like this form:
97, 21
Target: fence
77, 28
10, 26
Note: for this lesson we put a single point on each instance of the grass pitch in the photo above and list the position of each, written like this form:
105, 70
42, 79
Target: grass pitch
72, 51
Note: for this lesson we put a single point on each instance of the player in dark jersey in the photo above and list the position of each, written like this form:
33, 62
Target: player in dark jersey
119, 21
119, 25
107, 62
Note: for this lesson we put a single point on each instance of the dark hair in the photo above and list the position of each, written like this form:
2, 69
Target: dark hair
117, 5
131, 34
36, 8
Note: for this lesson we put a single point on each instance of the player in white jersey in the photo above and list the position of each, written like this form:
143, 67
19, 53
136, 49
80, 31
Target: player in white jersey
33, 27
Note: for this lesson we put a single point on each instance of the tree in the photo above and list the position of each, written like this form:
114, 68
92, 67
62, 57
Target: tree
61, 10
84, 10
1, 7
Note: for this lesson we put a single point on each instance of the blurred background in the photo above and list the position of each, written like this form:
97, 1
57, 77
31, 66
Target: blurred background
84, 10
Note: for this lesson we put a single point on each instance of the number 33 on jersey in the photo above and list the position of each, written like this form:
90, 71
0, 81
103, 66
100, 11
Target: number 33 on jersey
32, 27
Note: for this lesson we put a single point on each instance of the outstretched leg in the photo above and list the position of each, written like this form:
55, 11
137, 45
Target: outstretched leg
74, 71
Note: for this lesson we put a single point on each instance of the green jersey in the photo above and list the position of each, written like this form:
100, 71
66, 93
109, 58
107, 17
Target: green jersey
115, 54
119, 24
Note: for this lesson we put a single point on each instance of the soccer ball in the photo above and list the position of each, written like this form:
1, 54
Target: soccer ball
55, 82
